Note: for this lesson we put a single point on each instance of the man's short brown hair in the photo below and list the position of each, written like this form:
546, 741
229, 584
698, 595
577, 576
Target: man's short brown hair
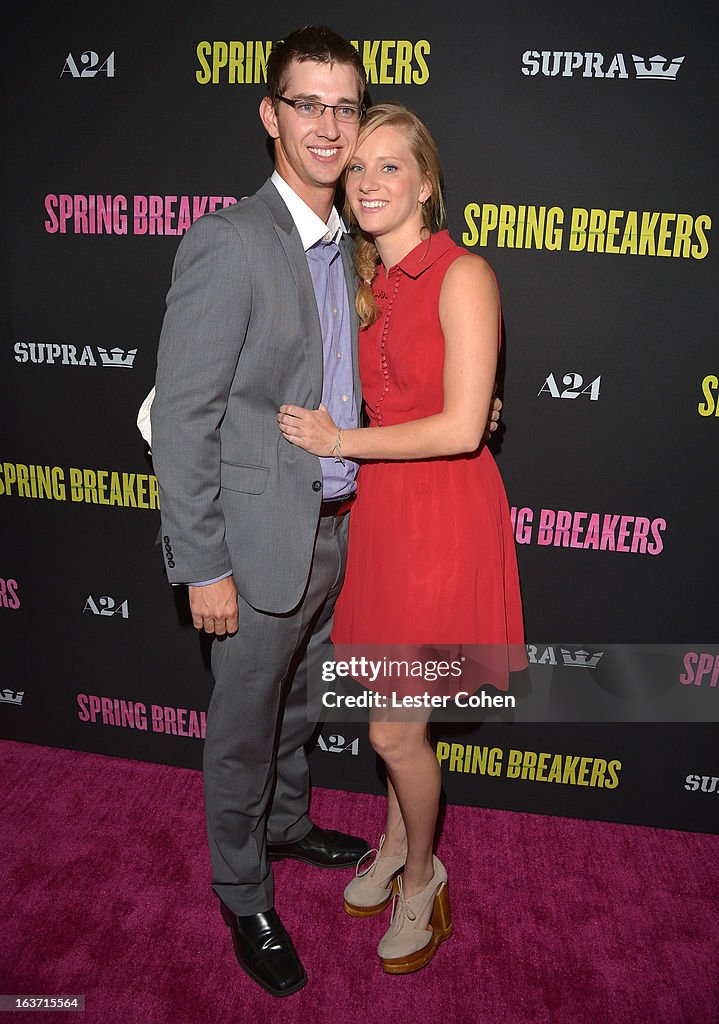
313, 42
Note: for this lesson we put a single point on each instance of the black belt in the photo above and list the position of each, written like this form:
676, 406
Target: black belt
337, 507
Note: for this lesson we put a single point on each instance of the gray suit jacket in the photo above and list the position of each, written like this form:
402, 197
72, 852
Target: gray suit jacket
241, 336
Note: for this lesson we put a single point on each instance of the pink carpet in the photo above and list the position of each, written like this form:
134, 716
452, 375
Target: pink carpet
105, 893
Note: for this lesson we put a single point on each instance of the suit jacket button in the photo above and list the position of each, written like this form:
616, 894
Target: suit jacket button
316, 485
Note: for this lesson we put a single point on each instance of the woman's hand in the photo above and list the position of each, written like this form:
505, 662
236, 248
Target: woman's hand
311, 429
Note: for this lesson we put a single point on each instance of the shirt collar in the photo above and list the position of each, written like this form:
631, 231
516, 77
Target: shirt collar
311, 227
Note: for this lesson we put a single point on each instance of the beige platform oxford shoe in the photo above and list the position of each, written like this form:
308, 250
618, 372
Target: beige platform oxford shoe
405, 947
373, 887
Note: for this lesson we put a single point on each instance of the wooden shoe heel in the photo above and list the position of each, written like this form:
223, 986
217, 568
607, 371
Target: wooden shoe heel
441, 919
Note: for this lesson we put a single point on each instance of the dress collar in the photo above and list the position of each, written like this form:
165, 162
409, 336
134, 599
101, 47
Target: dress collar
425, 254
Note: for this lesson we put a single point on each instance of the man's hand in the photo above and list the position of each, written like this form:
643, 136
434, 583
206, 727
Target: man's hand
493, 421
214, 607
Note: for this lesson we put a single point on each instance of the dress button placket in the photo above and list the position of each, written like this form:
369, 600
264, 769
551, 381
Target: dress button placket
382, 346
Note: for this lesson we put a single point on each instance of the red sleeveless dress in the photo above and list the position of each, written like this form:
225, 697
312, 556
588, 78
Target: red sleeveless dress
431, 558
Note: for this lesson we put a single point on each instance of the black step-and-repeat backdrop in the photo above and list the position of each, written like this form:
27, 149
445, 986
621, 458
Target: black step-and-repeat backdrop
579, 147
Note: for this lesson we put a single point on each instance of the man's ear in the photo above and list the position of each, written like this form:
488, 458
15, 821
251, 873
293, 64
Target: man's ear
268, 116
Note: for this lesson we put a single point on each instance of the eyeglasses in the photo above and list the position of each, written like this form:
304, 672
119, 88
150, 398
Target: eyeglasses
314, 109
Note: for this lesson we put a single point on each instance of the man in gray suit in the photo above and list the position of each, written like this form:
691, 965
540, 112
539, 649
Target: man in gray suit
261, 313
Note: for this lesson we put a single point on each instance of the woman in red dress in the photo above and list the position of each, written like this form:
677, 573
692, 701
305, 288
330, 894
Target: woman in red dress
431, 550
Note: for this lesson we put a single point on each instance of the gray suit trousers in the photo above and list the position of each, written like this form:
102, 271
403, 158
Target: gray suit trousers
256, 775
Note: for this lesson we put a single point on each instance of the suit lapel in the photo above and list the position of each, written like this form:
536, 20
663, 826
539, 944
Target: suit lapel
290, 240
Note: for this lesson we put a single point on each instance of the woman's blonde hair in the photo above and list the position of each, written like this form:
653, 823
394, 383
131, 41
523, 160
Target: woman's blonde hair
434, 214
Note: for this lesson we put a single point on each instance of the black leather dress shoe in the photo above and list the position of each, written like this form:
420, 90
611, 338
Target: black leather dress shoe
264, 950
323, 848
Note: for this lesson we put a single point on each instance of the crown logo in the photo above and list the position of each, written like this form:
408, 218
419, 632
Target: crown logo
657, 67
11, 696
580, 659
118, 357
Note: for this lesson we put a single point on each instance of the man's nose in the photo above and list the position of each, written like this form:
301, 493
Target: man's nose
327, 124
